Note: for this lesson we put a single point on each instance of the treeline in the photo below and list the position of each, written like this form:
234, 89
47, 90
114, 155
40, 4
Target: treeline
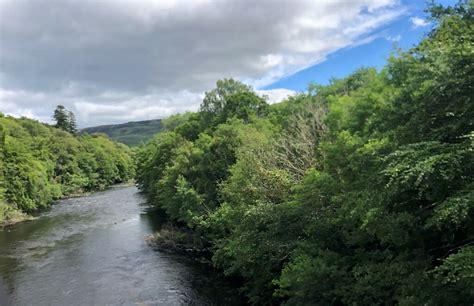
40, 163
360, 192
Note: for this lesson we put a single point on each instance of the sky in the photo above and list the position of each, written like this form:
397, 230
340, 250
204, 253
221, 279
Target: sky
114, 61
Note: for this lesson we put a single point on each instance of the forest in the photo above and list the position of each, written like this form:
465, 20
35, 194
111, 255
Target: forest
360, 192
40, 163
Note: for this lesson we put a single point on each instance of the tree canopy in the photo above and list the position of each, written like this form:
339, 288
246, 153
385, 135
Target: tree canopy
40, 163
359, 192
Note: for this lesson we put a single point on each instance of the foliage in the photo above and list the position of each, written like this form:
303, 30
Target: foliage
39, 164
359, 192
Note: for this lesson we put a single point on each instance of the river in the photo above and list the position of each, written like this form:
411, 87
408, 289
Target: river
91, 251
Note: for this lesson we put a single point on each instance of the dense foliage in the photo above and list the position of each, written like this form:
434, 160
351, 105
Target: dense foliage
39, 164
360, 192
131, 133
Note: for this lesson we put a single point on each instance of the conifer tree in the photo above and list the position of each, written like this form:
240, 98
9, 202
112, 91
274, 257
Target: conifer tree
65, 119
61, 117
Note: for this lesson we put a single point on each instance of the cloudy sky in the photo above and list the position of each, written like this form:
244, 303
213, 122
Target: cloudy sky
112, 61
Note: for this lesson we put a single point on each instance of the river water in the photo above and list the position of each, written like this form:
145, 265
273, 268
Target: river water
91, 251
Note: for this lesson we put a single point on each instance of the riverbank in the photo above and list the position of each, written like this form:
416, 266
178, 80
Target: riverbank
180, 240
41, 164
9, 216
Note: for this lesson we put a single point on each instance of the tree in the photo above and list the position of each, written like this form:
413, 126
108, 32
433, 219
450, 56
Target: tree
215, 100
61, 117
39, 163
355, 193
242, 105
65, 119
72, 127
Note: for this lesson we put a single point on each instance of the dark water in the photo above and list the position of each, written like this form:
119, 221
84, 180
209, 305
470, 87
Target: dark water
91, 251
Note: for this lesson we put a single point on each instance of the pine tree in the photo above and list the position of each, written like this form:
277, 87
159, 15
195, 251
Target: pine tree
65, 119
61, 117
72, 127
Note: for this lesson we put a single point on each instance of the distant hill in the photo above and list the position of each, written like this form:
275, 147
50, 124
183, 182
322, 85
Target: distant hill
130, 133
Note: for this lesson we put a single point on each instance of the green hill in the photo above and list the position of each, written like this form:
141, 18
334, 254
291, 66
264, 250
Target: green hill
130, 133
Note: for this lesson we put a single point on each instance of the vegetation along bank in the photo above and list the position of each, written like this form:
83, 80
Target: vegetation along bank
41, 163
360, 192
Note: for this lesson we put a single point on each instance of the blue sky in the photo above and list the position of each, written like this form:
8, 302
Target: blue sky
400, 33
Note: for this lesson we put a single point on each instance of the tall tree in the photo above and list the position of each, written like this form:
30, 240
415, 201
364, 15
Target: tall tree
61, 117
72, 126
65, 119
216, 99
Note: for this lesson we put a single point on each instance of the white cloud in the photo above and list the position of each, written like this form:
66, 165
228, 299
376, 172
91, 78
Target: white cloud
417, 22
276, 95
105, 59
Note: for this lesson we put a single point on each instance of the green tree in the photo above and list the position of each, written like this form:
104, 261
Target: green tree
71, 124
215, 100
65, 119
359, 192
61, 117
39, 163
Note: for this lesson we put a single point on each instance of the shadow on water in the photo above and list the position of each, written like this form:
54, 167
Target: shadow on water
91, 251
204, 279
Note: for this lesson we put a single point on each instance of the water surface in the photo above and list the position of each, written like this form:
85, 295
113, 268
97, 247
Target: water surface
91, 251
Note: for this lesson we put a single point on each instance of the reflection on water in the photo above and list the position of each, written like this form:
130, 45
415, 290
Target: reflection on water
91, 251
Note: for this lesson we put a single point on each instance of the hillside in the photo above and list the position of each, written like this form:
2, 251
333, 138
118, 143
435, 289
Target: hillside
130, 133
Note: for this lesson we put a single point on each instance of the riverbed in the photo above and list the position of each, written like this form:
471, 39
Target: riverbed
91, 251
